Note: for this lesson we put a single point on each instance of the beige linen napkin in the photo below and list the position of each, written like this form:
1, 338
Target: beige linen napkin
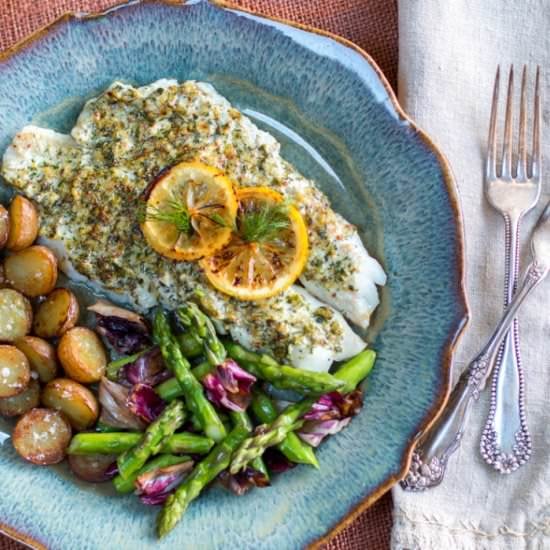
449, 50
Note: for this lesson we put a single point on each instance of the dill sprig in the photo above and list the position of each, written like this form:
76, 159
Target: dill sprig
173, 212
264, 224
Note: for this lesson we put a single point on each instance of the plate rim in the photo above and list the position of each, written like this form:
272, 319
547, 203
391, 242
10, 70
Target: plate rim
462, 310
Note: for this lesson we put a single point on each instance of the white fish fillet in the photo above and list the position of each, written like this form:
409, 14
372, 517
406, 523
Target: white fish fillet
87, 184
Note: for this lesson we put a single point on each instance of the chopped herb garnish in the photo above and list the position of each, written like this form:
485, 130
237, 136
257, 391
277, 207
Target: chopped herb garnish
265, 223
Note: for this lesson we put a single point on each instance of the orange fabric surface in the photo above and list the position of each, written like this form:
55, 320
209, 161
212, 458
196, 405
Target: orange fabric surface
371, 24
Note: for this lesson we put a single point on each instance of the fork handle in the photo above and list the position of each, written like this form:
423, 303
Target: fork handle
505, 443
436, 445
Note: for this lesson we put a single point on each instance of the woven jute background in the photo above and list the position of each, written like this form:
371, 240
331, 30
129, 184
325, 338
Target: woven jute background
371, 24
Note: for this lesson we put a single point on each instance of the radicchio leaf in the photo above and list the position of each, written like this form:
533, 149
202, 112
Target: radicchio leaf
334, 405
229, 386
125, 330
331, 413
114, 407
314, 431
148, 368
145, 403
156, 486
276, 461
244, 480
125, 336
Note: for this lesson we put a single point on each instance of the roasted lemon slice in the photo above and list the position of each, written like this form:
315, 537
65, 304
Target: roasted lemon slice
190, 211
267, 251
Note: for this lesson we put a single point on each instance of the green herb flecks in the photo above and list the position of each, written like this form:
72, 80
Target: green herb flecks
173, 212
265, 223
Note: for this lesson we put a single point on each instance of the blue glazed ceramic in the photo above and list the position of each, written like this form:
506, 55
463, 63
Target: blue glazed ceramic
339, 124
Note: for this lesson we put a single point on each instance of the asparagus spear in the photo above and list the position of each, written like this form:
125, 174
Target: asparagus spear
353, 371
242, 419
117, 443
190, 345
127, 485
272, 434
292, 446
155, 436
171, 389
193, 393
283, 376
203, 473
188, 443
201, 327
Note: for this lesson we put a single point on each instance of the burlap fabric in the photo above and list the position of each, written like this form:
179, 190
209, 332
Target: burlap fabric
372, 24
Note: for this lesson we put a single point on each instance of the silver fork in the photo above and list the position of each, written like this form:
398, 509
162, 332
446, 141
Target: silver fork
505, 442
439, 441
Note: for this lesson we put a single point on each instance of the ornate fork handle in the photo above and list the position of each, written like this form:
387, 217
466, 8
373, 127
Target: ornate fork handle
443, 438
505, 442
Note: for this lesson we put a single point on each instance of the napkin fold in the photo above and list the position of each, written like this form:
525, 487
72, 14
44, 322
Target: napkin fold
449, 51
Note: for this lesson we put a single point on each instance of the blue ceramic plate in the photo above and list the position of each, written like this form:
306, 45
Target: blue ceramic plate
340, 124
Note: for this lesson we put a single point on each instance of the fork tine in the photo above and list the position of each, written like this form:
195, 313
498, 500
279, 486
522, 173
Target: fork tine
491, 166
535, 169
507, 145
522, 155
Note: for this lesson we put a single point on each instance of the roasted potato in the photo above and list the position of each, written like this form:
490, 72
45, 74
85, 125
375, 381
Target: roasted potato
15, 371
15, 315
77, 402
4, 226
82, 355
3, 282
57, 314
41, 356
23, 218
32, 271
42, 436
22, 402
92, 468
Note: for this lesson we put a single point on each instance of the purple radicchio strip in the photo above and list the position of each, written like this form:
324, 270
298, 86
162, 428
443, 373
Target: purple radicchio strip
276, 461
125, 330
156, 486
145, 403
330, 414
244, 480
314, 431
229, 386
114, 407
148, 368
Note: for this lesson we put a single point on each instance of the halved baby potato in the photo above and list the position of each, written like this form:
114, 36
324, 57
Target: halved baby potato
82, 355
4, 226
42, 436
91, 468
23, 228
22, 402
15, 371
77, 402
32, 271
57, 314
41, 356
15, 315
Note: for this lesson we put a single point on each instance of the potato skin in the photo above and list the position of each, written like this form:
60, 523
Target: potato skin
4, 226
24, 224
57, 314
15, 371
91, 468
82, 355
15, 315
32, 271
75, 401
23, 402
41, 436
41, 355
